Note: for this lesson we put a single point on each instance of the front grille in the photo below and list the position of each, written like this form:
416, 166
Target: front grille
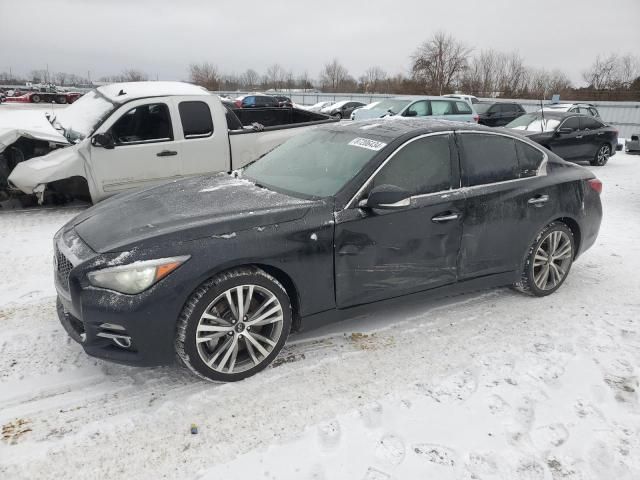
63, 268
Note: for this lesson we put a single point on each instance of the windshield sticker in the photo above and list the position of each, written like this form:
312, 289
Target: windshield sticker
367, 143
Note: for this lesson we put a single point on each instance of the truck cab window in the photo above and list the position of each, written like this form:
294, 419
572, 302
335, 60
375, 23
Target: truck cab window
196, 119
144, 123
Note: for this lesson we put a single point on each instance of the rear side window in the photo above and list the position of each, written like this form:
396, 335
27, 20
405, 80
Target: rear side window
463, 107
441, 107
590, 123
573, 123
529, 159
196, 119
422, 166
487, 158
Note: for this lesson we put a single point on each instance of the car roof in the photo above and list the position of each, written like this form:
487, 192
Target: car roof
390, 128
559, 114
126, 91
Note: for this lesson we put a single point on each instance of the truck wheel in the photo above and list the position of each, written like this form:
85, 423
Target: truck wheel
35, 98
61, 99
233, 325
602, 156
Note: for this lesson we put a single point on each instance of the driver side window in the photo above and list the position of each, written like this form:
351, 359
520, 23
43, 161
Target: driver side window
422, 166
420, 108
143, 124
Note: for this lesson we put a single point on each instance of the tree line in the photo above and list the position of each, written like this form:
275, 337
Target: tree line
440, 65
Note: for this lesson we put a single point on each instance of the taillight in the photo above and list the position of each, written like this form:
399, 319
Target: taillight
476, 117
595, 184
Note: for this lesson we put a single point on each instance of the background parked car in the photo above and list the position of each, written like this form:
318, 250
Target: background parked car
316, 107
571, 136
583, 108
633, 144
342, 109
283, 101
436, 107
498, 114
254, 101
467, 98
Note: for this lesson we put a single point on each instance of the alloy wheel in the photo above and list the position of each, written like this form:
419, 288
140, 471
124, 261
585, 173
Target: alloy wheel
552, 260
239, 329
603, 154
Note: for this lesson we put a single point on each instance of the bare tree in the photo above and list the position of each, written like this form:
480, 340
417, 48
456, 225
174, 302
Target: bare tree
61, 78
374, 79
600, 75
250, 79
276, 76
205, 74
133, 75
439, 62
333, 76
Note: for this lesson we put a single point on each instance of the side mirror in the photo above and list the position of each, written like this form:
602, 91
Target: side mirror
564, 131
103, 140
410, 113
387, 197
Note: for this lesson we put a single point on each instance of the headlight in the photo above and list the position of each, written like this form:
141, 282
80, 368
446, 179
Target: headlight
135, 277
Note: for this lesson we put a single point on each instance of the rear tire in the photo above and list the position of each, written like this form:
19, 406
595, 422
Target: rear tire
62, 100
233, 325
602, 155
35, 98
548, 261
337, 115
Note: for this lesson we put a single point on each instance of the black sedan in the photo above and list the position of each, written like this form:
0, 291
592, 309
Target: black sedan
497, 114
342, 109
572, 136
220, 269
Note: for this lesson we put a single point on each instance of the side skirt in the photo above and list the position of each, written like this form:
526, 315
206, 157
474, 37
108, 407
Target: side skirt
320, 319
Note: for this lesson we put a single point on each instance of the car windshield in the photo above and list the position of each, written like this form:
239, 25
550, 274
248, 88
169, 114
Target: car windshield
80, 119
482, 107
534, 123
394, 105
314, 164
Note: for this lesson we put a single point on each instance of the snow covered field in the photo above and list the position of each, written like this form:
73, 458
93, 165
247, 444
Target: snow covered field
490, 385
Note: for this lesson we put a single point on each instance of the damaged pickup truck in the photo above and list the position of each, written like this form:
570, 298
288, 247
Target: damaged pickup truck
130, 135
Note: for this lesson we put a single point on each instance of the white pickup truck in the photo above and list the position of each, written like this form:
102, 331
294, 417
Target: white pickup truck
130, 135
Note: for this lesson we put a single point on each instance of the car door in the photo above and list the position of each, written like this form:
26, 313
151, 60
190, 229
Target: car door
144, 150
442, 109
593, 134
568, 144
417, 109
506, 201
492, 117
381, 254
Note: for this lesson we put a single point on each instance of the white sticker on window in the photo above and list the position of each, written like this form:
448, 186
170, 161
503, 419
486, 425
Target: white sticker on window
367, 143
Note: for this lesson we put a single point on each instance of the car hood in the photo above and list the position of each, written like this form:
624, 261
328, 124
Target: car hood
27, 123
197, 207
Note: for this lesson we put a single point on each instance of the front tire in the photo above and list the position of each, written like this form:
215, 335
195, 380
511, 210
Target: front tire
233, 325
548, 261
337, 115
602, 155
35, 98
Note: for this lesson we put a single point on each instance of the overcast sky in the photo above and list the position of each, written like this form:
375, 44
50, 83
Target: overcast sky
162, 37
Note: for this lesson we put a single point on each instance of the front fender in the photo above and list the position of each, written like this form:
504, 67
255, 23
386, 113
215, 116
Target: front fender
57, 165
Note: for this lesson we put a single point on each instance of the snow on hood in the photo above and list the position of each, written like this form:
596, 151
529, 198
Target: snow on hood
27, 123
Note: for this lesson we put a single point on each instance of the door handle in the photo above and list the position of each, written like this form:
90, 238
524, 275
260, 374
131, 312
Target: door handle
446, 217
349, 250
600, 133
167, 153
579, 136
538, 200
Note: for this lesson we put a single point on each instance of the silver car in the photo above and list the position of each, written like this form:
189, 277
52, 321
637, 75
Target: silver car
435, 107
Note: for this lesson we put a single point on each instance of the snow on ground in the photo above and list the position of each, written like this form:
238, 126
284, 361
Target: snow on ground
489, 385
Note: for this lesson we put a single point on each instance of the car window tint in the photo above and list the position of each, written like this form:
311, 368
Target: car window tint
506, 108
590, 123
421, 109
145, 123
463, 107
422, 166
573, 123
441, 107
529, 159
487, 158
196, 119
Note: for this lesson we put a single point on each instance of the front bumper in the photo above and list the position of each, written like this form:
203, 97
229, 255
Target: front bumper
134, 330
